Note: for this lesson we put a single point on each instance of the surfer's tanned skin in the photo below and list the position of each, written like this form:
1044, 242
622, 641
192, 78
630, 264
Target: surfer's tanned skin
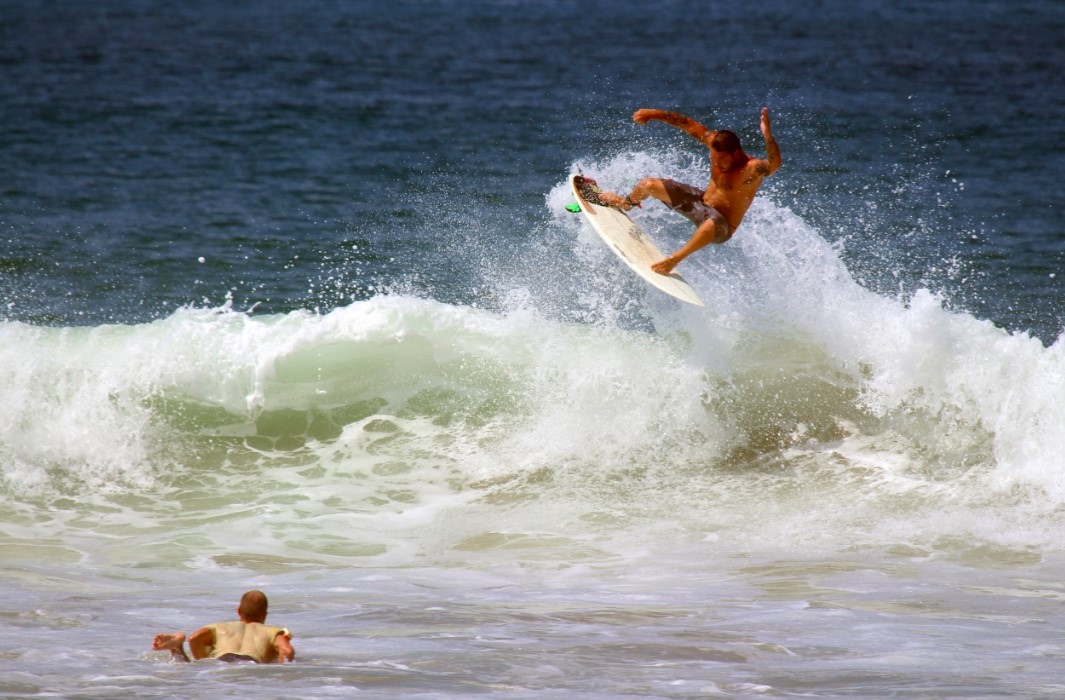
734, 180
261, 644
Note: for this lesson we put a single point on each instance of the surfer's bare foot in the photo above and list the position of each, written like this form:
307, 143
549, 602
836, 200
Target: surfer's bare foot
613, 200
664, 267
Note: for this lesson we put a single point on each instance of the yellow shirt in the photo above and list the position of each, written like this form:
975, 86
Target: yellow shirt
246, 638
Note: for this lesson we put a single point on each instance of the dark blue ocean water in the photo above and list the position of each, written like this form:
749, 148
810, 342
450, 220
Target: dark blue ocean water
312, 152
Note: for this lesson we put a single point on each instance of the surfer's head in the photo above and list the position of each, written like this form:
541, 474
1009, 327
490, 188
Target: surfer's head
253, 605
726, 152
725, 142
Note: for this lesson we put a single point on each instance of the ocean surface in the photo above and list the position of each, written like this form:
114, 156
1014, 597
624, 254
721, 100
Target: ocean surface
290, 300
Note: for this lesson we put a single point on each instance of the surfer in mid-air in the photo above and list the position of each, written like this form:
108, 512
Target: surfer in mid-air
716, 211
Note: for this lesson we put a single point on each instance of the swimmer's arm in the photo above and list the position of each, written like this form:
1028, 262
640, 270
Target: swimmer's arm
686, 124
283, 645
772, 150
200, 641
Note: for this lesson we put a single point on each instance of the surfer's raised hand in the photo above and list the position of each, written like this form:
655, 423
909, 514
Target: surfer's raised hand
767, 131
772, 158
642, 116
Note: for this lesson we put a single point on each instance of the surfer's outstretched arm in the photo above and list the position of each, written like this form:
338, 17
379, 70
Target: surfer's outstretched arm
173, 642
688, 125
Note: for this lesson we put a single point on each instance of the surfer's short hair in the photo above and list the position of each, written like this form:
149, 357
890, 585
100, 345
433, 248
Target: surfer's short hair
253, 606
725, 141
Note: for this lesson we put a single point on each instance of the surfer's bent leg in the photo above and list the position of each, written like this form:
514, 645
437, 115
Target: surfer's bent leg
713, 229
650, 187
686, 200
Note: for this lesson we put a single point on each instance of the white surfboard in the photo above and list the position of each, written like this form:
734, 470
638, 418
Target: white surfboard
632, 245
